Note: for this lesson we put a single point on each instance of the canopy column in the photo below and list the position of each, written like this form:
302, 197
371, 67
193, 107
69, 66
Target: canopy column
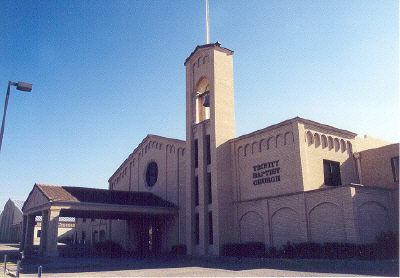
28, 233
50, 232
22, 244
43, 234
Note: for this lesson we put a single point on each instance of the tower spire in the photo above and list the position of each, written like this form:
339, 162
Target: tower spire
207, 24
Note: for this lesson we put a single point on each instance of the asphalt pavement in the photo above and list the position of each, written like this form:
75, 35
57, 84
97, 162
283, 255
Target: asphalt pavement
187, 266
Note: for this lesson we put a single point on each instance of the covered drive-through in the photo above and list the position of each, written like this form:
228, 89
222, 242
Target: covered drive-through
52, 202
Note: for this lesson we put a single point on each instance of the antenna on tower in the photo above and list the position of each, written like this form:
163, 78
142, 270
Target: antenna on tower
207, 24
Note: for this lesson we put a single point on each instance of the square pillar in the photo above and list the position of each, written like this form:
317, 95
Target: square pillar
24, 221
43, 234
51, 231
29, 233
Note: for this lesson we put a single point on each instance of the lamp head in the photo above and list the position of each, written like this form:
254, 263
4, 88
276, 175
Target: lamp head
23, 86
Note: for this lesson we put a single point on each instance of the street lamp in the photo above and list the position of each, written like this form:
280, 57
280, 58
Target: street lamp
22, 86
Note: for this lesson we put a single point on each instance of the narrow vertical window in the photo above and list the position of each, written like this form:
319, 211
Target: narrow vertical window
197, 229
395, 168
209, 188
196, 153
208, 149
332, 173
210, 229
196, 190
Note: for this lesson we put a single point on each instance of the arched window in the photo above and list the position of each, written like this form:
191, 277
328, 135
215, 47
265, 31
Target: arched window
317, 140
342, 145
324, 141
337, 144
255, 147
247, 150
349, 147
263, 145
330, 142
271, 142
289, 138
199, 61
279, 140
309, 138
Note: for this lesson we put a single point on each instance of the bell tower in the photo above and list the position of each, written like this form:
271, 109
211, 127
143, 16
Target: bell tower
210, 123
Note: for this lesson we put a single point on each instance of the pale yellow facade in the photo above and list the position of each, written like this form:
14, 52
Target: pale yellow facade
298, 180
66, 228
169, 155
89, 231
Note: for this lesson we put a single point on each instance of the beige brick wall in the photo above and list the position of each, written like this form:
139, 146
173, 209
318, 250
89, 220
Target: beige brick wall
212, 64
369, 142
376, 167
169, 154
347, 214
268, 155
327, 144
375, 211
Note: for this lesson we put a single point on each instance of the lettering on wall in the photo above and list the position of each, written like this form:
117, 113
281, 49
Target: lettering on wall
266, 172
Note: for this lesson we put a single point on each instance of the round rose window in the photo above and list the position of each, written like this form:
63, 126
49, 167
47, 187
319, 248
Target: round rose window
151, 174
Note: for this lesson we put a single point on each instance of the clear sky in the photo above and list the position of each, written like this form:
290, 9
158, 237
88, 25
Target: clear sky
107, 73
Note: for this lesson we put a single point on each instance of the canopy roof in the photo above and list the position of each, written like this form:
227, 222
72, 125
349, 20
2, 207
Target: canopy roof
93, 202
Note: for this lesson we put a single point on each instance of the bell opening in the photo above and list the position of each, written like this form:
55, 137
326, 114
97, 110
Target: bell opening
206, 101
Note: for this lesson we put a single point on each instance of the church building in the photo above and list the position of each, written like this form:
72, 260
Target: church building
298, 180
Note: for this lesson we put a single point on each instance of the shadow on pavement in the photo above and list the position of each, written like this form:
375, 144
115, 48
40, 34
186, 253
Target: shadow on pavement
75, 265
81, 260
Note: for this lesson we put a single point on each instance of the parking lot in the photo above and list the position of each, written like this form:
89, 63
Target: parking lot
186, 266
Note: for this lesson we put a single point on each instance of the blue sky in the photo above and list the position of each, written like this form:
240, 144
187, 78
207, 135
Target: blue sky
107, 73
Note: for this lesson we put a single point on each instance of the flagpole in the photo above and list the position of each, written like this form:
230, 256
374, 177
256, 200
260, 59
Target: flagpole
207, 24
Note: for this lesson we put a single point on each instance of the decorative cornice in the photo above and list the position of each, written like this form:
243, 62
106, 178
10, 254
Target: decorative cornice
216, 45
289, 122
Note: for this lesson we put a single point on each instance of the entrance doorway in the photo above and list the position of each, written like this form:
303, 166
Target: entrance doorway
148, 235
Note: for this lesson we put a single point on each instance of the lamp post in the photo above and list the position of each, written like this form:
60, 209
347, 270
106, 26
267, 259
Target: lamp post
22, 86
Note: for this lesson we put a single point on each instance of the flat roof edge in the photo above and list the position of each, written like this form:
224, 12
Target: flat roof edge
213, 45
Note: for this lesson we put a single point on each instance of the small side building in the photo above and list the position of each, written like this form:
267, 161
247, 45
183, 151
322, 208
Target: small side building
65, 231
10, 221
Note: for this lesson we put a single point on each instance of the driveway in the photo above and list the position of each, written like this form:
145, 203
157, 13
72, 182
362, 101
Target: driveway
186, 266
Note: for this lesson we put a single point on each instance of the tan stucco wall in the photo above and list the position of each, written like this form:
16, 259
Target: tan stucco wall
375, 211
270, 154
293, 205
215, 64
338, 214
62, 231
300, 207
369, 142
376, 167
326, 144
169, 154
89, 226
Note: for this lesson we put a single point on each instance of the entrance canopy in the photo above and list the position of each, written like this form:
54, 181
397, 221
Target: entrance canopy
53, 202
83, 202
